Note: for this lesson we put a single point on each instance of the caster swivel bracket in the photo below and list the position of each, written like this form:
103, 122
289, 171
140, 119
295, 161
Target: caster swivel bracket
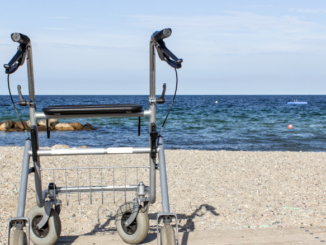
14, 221
161, 216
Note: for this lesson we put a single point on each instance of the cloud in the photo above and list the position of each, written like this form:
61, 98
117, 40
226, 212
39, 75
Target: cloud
240, 32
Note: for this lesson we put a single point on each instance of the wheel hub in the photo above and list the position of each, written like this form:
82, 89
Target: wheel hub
131, 229
43, 232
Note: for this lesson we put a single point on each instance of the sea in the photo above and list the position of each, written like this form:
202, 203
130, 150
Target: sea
200, 122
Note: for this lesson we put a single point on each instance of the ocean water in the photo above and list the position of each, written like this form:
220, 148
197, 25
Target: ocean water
249, 123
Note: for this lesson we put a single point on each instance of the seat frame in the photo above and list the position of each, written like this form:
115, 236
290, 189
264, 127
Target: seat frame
91, 109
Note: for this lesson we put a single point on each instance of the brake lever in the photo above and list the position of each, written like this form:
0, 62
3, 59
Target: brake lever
172, 63
21, 102
162, 100
16, 61
166, 55
167, 52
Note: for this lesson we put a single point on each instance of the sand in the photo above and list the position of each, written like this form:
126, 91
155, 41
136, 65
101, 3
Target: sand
209, 190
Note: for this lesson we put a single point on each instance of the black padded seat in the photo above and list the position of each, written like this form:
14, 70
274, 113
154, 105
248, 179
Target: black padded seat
91, 109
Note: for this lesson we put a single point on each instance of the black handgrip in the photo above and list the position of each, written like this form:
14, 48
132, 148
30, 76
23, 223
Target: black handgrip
20, 38
160, 35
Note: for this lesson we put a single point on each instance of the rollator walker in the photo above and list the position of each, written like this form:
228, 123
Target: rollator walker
42, 223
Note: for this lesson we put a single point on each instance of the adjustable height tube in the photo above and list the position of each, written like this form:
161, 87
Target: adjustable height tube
152, 79
152, 119
163, 177
30, 73
33, 119
23, 180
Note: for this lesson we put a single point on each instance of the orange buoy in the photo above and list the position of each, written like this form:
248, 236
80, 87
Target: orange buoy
290, 126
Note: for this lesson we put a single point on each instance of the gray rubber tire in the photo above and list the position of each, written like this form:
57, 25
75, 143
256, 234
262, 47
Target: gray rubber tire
138, 230
167, 235
49, 234
18, 237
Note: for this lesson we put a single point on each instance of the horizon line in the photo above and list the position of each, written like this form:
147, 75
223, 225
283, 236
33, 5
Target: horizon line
172, 95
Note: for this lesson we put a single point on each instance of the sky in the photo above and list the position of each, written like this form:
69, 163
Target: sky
228, 47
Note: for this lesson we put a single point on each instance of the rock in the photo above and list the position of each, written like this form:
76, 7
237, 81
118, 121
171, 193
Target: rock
84, 146
42, 123
6, 125
51, 123
28, 123
64, 127
89, 128
15, 129
87, 124
20, 125
77, 125
60, 146
41, 128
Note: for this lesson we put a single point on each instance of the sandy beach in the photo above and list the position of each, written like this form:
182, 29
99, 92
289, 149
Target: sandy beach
209, 190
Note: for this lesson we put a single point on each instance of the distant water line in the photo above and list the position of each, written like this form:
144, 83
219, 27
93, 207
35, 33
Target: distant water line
236, 122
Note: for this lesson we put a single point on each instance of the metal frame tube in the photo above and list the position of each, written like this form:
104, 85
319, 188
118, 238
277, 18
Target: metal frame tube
98, 188
37, 164
24, 180
78, 168
152, 68
33, 120
152, 119
30, 72
92, 151
163, 177
145, 113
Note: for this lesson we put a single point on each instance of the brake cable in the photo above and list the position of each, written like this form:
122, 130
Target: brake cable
175, 93
13, 103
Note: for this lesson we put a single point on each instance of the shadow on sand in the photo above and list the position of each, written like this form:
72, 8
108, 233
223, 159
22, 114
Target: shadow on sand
189, 226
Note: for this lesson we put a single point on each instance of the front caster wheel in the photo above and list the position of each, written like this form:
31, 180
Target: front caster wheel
167, 235
18, 237
137, 231
50, 233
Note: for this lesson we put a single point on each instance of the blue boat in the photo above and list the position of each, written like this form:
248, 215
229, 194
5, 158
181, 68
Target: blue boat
295, 102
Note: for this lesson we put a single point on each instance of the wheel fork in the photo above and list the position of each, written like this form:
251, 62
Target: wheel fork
19, 223
167, 218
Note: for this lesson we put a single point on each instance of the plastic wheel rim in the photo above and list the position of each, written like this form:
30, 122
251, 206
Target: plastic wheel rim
132, 228
41, 233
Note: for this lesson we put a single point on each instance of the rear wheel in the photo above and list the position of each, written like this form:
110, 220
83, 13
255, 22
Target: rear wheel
137, 231
18, 237
167, 235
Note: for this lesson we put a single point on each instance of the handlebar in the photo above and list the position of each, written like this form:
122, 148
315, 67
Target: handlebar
160, 35
20, 38
20, 56
163, 52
